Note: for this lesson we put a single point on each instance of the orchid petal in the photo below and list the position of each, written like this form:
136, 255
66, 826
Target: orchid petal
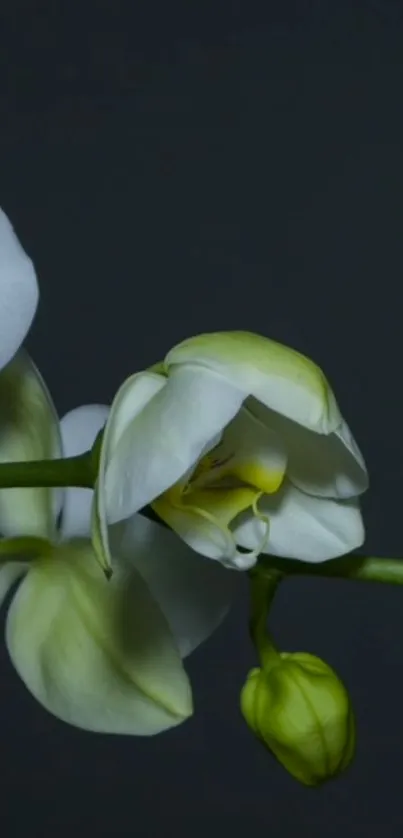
164, 438
29, 430
97, 654
248, 451
329, 466
276, 375
303, 527
18, 292
194, 593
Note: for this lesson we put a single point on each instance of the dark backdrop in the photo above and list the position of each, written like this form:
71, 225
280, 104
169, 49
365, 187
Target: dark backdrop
179, 168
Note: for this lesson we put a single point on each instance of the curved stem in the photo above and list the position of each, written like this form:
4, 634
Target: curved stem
263, 586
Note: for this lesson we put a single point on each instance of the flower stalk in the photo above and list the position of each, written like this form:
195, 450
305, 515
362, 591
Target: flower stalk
81, 471
351, 566
262, 589
69, 471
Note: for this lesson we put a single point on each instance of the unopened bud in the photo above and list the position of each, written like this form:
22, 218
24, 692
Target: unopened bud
300, 709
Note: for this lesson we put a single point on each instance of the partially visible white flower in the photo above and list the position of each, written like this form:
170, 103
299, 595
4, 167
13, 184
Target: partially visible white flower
18, 292
235, 441
102, 655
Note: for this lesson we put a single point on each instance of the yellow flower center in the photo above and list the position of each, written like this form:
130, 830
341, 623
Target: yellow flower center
223, 484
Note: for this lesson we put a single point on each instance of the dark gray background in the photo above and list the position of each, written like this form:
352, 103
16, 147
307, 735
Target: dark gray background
179, 168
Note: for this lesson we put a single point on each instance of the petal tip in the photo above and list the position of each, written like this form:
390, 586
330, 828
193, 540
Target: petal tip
19, 291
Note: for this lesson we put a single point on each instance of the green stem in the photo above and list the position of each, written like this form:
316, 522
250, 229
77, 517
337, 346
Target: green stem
263, 586
13, 549
350, 566
82, 471
71, 471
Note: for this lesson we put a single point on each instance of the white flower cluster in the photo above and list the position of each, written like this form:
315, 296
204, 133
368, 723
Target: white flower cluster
237, 444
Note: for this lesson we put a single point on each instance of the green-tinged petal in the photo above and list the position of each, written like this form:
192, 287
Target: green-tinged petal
99, 532
276, 375
331, 466
158, 368
29, 430
302, 526
147, 449
202, 519
97, 654
130, 399
193, 592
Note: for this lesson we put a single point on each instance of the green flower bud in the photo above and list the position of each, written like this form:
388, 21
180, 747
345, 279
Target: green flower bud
300, 709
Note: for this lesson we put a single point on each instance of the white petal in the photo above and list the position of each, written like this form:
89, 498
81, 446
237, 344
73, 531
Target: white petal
29, 430
202, 518
194, 593
304, 527
250, 451
276, 375
79, 429
18, 292
96, 654
165, 438
330, 466
129, 401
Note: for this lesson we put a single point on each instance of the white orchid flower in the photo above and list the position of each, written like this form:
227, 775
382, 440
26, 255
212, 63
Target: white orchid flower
235, 441
18, 292
101, 655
